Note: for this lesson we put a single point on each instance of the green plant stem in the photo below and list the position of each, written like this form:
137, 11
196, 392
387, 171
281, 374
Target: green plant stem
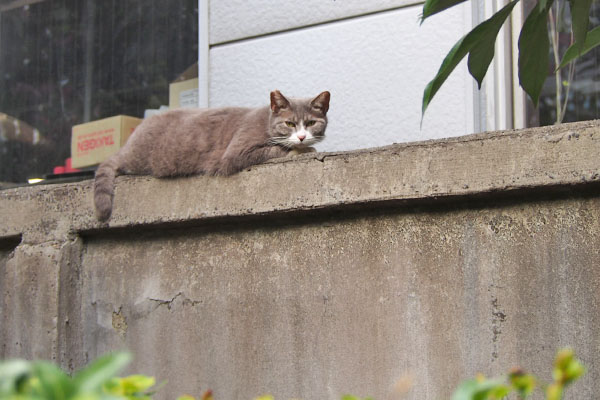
569, 80
554, 36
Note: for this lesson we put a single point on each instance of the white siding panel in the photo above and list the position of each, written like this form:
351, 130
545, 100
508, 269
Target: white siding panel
376, 68
238, 19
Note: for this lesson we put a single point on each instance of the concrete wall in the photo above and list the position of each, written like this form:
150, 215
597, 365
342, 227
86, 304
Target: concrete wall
373, 57
326, 273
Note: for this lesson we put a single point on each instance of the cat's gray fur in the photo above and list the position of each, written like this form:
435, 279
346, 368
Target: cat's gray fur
219, 141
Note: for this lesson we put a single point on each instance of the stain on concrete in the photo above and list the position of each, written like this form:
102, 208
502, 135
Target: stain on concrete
119, 323
498, 318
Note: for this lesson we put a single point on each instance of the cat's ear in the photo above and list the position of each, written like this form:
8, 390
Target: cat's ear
321, 102
278, 101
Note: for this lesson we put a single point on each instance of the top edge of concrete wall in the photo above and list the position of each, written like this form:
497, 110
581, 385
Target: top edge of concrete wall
548, 157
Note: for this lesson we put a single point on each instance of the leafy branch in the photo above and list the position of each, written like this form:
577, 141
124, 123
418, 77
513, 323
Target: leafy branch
41, 380
533, 44
567, 369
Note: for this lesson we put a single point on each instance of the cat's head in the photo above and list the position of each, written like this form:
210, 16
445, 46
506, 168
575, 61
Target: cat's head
298, 123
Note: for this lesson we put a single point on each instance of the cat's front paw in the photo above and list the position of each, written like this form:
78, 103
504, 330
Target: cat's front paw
302, 150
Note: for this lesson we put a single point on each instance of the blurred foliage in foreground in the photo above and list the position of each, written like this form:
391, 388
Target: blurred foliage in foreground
41, 380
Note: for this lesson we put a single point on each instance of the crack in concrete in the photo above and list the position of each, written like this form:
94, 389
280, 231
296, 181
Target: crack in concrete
56, 243
169, 303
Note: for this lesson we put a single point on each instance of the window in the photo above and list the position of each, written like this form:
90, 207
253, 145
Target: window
65, 62
573, 94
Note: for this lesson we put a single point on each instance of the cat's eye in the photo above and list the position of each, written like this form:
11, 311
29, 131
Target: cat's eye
310, 123
290, 124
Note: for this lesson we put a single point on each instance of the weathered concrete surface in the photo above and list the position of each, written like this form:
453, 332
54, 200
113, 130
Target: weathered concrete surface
564, 155
317, 308
29, 287
321, 275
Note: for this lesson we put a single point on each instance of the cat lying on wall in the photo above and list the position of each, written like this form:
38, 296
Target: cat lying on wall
220, 141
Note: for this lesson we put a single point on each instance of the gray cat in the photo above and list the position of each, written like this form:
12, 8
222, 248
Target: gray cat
220, 141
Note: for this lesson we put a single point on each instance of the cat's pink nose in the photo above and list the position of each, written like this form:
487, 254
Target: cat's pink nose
301, 137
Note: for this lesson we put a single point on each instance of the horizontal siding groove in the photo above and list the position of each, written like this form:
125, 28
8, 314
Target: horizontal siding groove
310, 26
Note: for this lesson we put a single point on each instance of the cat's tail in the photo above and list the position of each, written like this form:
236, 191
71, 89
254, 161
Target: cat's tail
104, 187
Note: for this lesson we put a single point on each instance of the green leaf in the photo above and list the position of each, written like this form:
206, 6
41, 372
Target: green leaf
592, 40
51, 382
534, 48
563, 358
435, 6
566, 367
138, 383
580, 16
482, 53
498, 392
101, 370
478, 41
573, 372
129, 386
352, 397
523, 383
12, 374
480, 389
554, 392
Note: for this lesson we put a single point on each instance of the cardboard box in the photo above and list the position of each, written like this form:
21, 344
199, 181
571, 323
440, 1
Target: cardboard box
94, 142
183, 92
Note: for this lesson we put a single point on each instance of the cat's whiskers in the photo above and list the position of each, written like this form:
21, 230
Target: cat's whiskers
282, 141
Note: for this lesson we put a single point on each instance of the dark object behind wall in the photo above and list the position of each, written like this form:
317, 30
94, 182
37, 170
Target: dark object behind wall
64, 62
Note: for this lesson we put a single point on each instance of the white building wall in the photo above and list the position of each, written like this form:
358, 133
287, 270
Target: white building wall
240, 19
376, 65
